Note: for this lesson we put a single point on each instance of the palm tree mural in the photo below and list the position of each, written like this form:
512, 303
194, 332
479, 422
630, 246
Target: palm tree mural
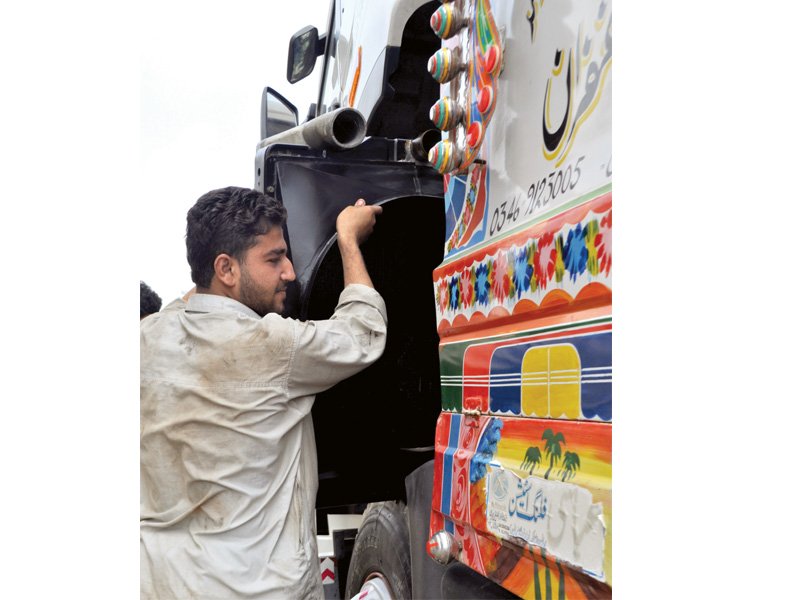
552, 448
533, 456
572, 462
552, 451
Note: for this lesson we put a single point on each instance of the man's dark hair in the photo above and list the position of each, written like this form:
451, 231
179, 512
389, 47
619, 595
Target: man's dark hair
227, 221
149, 301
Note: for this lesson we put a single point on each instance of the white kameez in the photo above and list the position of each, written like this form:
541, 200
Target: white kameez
228, 459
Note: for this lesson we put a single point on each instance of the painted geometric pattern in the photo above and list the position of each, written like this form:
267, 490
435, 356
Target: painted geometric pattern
562, 258
465, 208
559, 373
565, 455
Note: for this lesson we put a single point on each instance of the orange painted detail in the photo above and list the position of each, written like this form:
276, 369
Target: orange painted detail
594, 291
524, 306
556, 302
543, 319
556, 298
356, 77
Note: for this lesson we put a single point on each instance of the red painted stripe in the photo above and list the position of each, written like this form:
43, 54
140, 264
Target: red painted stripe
440, 441
477, 360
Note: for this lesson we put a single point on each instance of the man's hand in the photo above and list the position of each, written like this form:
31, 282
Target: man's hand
355, 223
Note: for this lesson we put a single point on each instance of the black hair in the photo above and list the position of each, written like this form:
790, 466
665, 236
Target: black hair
149, 301
227, 221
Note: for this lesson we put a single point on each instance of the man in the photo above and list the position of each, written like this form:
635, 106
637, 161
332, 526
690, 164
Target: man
149, 301
228, 461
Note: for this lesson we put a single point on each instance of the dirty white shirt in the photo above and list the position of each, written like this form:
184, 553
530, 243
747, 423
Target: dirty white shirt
228, 459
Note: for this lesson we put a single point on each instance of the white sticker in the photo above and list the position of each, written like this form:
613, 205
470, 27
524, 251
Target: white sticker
559, 517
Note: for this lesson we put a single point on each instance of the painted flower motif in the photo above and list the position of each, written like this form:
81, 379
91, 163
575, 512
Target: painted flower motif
592, 231
487, 448
575, 252
559, 263
442, 294
511, 260
603, 242
512, 289
467, 286
544, 260
482, 285
499, 277
523, 269
490, 265
469, 207
455, 296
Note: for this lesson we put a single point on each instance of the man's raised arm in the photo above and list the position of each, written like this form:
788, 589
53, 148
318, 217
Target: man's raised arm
353, 226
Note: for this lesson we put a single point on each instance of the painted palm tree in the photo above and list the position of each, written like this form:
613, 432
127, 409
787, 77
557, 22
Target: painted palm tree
533, 456
572, 462
552, 448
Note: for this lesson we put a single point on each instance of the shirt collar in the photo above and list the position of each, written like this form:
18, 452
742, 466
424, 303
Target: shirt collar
206, 303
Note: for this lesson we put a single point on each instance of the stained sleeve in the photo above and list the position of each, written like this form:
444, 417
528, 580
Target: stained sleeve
327, 352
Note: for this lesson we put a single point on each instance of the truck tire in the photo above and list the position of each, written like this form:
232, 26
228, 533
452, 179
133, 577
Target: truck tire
382, 548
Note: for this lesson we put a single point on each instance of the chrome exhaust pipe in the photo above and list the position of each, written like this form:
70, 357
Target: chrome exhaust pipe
340, 129
418, 148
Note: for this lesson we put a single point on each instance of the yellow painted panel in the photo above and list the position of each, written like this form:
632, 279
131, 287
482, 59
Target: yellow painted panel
534, 382
551, 382
565, 382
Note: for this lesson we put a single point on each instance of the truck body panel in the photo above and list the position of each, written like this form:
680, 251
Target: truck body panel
522, 474
497, 275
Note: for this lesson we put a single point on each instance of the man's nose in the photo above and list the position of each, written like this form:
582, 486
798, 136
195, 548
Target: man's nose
288, 273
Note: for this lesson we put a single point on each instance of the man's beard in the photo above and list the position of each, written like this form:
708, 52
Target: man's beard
253, 296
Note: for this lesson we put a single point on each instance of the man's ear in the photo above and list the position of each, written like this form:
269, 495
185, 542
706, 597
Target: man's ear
226, 268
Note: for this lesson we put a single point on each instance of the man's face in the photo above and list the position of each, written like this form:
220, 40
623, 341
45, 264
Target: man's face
266, 271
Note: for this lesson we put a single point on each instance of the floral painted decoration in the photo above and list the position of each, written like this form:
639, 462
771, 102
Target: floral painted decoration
568, 259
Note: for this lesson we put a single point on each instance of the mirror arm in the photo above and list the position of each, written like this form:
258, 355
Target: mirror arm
265, 95
320, 49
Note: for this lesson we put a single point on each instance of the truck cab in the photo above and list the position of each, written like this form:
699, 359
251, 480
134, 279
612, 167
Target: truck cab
476, 453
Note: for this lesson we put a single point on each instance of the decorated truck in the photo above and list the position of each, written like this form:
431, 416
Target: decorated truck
473, 460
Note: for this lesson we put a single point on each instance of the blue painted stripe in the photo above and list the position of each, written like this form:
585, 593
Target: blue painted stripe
506, 361
447, 467
449, 527
454, 198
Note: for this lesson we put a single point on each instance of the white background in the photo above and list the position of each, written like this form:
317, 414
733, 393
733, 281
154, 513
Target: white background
705, 277
203, 68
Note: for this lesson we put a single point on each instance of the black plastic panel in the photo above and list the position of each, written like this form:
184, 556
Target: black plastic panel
409, 91
372, 429
363, 423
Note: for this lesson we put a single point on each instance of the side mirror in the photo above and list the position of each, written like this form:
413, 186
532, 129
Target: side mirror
277, 113
304, 48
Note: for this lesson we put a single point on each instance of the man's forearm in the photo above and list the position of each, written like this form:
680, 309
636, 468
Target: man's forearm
355, 271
